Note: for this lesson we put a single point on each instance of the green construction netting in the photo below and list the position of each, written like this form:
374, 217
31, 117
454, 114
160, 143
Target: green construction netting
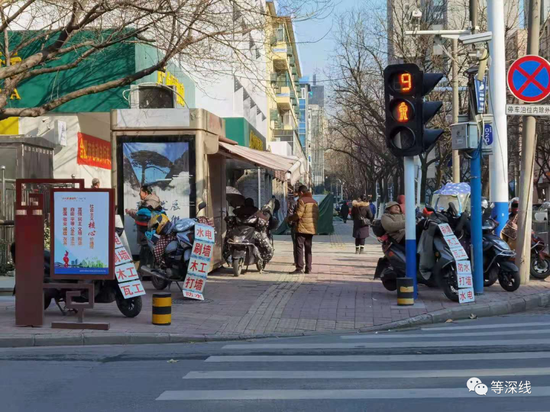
324, 225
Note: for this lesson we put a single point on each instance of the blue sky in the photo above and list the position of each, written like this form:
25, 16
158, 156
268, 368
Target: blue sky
315, 38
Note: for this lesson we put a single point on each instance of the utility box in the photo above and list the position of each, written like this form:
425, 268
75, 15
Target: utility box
26, 157
465, 136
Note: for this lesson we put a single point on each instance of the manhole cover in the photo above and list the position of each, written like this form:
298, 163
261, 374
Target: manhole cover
184, 301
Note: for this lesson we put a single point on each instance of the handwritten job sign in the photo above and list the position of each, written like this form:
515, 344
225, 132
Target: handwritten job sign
463, 265
199, 264
126, 273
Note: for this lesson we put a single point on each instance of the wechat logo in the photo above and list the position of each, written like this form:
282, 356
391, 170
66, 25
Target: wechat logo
475, 385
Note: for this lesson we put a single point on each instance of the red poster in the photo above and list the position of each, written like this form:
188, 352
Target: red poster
93, 151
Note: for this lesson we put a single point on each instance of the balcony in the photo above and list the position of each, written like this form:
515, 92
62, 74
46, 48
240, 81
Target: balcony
283, 98
280, 56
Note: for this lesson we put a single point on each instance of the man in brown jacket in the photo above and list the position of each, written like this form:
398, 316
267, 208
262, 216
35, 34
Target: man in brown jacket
307, 214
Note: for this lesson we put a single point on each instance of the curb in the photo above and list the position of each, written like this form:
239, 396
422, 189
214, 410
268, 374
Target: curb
463, 312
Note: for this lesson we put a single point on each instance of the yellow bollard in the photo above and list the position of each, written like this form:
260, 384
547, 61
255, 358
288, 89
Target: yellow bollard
162, 309
405, 292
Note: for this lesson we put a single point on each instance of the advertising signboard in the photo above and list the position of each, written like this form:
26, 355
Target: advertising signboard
83, 232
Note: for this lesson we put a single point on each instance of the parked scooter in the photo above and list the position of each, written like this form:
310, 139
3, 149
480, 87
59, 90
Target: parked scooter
441, 273
540, 260
249, 240
106, 291
497, 256
176, 239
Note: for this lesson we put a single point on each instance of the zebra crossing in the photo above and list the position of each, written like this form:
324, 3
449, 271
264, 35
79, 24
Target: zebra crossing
512, 361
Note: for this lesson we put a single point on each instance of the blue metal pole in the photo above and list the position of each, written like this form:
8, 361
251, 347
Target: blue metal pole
410, 221
476, 221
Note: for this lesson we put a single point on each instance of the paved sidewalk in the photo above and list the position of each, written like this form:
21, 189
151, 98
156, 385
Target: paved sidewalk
340, 295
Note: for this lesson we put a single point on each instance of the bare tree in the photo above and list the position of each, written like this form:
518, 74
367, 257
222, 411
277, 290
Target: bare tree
37, 34
371, 38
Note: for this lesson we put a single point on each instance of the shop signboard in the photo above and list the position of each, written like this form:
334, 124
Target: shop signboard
199, 264
83, 234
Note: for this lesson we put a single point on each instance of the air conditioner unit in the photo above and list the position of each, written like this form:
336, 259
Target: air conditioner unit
152, 96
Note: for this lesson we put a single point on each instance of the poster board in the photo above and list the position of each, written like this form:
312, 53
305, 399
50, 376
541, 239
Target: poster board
83, 234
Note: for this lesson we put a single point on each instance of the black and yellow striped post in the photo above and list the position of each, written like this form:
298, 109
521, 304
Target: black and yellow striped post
405, 292
162, 309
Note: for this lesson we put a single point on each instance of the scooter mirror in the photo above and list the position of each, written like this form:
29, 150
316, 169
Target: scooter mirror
202, 205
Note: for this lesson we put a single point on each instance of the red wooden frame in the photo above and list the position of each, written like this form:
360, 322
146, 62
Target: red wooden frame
111, 223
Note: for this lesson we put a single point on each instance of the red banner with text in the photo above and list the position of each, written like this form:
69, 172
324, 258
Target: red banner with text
93, 151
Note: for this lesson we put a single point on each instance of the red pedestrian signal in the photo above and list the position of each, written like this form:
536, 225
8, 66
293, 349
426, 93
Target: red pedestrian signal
402, 111
405, 86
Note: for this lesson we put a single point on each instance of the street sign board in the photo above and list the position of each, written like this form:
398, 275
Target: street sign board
488, 138
481, 94
528, 110
529, 78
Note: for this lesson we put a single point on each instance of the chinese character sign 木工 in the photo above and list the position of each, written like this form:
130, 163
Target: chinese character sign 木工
199, 264
81, 233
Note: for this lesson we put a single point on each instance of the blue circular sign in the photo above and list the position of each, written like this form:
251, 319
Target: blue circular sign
529, 78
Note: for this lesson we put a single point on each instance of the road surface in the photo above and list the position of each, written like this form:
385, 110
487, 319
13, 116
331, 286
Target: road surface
424, 369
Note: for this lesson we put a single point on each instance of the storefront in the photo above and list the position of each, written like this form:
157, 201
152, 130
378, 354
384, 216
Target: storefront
175, 151
80, 128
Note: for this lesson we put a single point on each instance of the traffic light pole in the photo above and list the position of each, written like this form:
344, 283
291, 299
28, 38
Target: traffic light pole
410, 221
497, 105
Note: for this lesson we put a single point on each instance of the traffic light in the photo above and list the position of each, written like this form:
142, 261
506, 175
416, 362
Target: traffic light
405, 86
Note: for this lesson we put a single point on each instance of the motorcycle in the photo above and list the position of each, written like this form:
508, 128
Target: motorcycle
175, 243
540, 260
249, 241
442, 272
497, 255
105, 291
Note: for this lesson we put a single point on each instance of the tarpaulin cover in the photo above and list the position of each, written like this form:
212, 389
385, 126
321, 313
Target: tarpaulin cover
324, 224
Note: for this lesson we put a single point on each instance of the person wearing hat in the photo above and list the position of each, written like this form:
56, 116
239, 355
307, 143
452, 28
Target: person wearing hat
393, 222
95, 183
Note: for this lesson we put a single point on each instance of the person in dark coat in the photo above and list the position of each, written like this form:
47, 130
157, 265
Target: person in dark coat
362, 218
344, 212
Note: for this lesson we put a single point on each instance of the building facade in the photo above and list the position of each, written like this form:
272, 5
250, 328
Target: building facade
284, 88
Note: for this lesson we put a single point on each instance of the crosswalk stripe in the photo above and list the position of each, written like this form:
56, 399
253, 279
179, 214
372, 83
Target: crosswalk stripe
388, 345
400, 335
497, 326
301, 394
380, 358
404, 374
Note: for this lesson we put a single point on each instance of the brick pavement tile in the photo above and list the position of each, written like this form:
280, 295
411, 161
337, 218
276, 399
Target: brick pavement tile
326, 324
307, 324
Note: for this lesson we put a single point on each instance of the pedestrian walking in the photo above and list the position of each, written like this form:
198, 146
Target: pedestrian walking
372, 207
293, 205
362, 219
95, 183
344, 212
307, 214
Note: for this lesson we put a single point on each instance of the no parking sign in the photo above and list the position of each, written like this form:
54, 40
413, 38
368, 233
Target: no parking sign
529, 78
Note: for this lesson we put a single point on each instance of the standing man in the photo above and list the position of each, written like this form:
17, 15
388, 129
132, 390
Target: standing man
372, 207
344, 211
293, 205
95, 183
306, 215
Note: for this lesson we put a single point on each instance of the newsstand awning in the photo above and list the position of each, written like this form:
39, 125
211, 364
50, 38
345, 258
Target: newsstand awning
287, 167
